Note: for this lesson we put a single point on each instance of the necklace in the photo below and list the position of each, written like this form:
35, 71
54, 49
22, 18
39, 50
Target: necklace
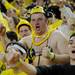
51, 28
46, 36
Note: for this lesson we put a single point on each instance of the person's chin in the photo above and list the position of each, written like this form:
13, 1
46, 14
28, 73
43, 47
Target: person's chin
38, 32
73, 57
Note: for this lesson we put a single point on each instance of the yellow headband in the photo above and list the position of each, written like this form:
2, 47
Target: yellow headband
23, 22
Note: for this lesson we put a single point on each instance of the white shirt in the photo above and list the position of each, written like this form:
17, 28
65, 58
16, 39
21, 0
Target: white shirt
67, 12
65, 31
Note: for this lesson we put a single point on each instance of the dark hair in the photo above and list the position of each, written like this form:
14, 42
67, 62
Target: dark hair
31, 6
48, 14
2, 8
10, 1
72, 35
24, 25
12, 35
34, 0
55, 10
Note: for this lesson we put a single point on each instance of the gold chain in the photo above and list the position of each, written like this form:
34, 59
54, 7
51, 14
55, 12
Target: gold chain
42, 41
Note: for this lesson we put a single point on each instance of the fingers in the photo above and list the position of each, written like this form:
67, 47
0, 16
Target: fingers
45, 51
12, 57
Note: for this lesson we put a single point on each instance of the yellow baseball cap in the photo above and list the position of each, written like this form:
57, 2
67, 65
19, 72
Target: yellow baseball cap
37, 9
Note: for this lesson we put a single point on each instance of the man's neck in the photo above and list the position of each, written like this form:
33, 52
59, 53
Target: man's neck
42, 33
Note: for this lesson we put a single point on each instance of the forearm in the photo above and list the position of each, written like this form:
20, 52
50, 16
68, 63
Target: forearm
58, 58
28, 68
4, 16
62, 58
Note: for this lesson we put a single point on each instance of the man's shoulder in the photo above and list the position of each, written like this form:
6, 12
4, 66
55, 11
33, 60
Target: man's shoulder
57, 34
27, 37
54, 36
26, 40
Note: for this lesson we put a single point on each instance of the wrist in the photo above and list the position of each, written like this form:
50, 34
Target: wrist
51, 56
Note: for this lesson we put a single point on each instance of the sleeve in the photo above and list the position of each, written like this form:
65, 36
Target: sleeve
53, 70
43, 70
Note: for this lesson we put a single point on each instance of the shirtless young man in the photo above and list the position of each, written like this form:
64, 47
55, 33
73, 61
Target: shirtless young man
42, 41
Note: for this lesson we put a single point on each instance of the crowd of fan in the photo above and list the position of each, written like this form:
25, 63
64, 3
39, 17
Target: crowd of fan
37, 33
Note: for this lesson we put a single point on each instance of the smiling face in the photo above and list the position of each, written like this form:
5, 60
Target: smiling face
39, 23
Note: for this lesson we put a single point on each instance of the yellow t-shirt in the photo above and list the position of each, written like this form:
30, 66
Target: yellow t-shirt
4, 22
11, 72
1, 47
8, 72
27, 2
